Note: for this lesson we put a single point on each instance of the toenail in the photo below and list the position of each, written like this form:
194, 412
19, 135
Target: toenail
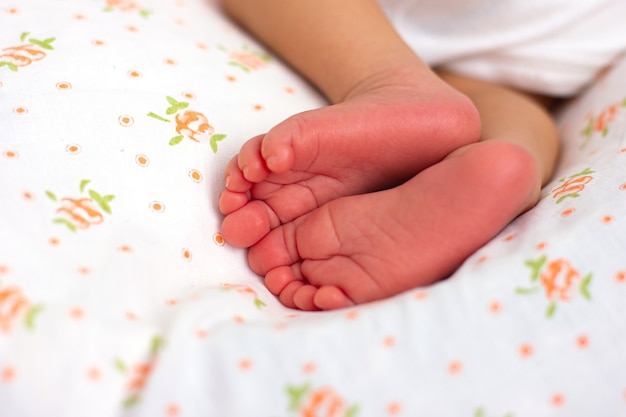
245, 170
227, 181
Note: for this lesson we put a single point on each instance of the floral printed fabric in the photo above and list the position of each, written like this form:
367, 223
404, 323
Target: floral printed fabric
118, 296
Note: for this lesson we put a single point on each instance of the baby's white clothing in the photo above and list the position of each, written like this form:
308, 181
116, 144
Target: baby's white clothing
553, 47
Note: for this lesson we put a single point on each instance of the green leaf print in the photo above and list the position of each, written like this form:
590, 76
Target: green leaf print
588, 130
11, 65
296, 395
45, 44
155, 345
156, 116
239, 65
103, 202
586, 171
131, 401
31, 314
65, 222
572, 195
584, 286
214, 139
51, 195
526, 291
352, 411
145, 13
24, 35
480, 412
536, 266
262, 56
120, 365
84, 184
259, 304
551, 309
175, 105
176, 140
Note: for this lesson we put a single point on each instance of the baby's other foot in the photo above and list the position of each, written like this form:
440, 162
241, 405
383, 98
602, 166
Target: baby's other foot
379, 137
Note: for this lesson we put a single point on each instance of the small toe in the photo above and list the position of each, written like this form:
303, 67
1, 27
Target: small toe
278, 278
234, 179
303, 298
232, 201
276, 146
251, 162
272, 251
330, 297
286, 297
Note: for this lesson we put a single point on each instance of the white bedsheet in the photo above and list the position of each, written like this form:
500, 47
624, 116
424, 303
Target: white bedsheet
119, 298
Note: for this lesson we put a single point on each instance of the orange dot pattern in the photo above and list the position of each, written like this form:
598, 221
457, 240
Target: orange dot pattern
157, 207
526, 350
142, 160
64, 159
63, 86
195, 176
73, 149
125, 120
218, 239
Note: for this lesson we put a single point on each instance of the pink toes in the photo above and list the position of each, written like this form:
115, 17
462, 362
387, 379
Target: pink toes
266, 154
247, 220
250, 162
293, 292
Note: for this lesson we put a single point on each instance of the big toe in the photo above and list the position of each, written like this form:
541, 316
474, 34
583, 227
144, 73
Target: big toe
272, 252
248, 225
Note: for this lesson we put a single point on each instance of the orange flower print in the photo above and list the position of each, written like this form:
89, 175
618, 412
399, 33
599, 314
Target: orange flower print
600, 123
125, 6
139, 373
14, 304
304, 401
189, 123
194, 125
559, 280
82, 212
572, 186
246, 290
23, 55
246, 59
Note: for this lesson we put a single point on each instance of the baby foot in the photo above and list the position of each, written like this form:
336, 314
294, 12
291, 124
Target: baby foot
368, 247
377, 138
